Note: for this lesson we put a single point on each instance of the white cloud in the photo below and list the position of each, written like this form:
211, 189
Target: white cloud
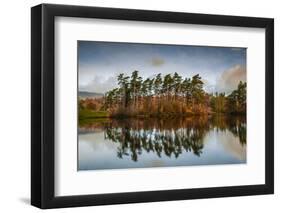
99, 85
230, 78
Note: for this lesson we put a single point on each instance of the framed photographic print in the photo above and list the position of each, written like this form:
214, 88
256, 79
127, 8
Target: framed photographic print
140, 106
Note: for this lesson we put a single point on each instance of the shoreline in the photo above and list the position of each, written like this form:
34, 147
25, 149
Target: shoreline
103, 115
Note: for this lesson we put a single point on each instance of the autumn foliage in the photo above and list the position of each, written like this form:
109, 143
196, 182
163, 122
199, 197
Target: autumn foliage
164, 96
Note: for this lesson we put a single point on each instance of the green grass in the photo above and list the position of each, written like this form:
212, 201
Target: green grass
86, 114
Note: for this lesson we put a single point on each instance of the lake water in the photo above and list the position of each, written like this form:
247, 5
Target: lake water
143, 143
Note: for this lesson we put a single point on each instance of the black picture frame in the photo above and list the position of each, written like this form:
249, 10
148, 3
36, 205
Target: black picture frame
43, 102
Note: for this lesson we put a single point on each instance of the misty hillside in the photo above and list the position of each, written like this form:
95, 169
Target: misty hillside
85, 94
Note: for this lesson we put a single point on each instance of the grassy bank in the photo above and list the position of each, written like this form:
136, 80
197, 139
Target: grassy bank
86, 113
87, 116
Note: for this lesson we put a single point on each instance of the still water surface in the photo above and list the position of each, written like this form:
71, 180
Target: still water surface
142, 143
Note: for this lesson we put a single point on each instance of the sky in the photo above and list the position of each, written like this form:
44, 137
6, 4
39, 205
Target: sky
99, 64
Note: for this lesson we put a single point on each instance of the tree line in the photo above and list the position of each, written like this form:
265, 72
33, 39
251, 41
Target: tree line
167, 95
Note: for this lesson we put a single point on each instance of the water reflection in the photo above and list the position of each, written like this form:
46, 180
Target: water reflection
131, 143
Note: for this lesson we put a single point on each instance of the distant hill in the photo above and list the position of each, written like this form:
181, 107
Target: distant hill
85, 94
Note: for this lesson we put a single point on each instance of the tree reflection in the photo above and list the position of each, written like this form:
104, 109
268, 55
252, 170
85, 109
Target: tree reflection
235, 124
166, 137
